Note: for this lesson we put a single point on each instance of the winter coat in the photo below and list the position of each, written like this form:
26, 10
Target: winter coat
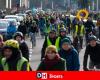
13, 60
11, 30
94, 53
61, 38
33, 29
24, 49
42, 23
57, 64
68, 22
89, 26
28, 23
72, 59
22, 28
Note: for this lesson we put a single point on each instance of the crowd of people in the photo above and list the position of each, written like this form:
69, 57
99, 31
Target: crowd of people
59, 52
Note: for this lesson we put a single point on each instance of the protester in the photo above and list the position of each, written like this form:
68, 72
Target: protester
22, 45
63, 34
92, 50
52, 39
32, 31
89, 27
22, 28
11, 29
78, 35
70, 55
13, 61
52, 61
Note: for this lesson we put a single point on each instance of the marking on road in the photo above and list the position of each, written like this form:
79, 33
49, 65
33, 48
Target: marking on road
30, 52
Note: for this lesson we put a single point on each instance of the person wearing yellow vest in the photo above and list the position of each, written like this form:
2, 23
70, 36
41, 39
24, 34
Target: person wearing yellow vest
13, 61
63, 34
51, 39
59, 26
47, 29
79, 34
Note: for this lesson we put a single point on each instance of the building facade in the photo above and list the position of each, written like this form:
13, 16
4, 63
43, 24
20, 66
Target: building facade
9, 4
2, 4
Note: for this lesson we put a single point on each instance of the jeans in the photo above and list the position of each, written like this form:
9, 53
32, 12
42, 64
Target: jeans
33, 39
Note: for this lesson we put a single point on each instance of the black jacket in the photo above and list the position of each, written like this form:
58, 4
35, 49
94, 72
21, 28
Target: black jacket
68, 22
94, 53
22, 28
33, 29
89, 26
24, 49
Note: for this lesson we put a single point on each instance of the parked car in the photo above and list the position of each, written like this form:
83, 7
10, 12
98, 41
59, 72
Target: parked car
3, 28
21, 15
18, 18
11, 20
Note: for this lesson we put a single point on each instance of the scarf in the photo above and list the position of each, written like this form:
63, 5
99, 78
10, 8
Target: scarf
50, 63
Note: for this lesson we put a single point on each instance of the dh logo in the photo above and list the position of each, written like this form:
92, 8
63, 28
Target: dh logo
41, 75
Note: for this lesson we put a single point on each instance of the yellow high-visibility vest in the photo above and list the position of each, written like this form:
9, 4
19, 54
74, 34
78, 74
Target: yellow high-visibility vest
81, 30
59, 29
19, 64
56, 43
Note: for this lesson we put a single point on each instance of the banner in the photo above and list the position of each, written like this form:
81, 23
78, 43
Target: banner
49, 75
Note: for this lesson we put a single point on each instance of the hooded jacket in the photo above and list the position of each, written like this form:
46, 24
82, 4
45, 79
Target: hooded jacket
11, 29
72, 59
24, 49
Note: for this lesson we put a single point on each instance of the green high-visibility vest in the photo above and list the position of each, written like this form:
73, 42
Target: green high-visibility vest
56, 43
19, 64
